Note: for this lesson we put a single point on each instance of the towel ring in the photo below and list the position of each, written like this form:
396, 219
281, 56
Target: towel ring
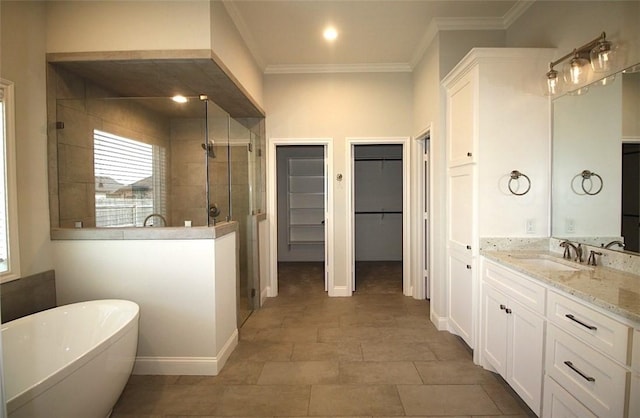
515, 175
586, 175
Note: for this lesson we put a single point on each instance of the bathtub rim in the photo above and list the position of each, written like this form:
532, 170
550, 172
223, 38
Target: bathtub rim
52, 379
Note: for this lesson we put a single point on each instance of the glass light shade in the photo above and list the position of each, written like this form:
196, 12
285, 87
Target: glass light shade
602, 56
605, 81
575, 71
579, 92
553, 83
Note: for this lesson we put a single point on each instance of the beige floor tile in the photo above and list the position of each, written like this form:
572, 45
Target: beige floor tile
351, 400
141, 379
446, 400
421, 322
299, 373
391, 351
326, 351
377, 372
312, 320
233, 373
292, 334
453, 373
372, 334
170, 399
367, 320
261, 351
506, 400
264, 401
450, 350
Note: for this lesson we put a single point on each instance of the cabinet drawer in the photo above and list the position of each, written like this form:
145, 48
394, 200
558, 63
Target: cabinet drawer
516, 286
558, 403
595, 328
594, 380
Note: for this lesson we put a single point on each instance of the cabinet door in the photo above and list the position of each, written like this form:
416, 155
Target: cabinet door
494, 329
558, 403
525, 345
461, 295
460, 208
461, 121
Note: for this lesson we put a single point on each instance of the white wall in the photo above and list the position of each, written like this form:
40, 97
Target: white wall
22, 57
186, 290
339, 106
81, 26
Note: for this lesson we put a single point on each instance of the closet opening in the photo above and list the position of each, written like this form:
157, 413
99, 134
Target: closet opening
378, 218
301, 216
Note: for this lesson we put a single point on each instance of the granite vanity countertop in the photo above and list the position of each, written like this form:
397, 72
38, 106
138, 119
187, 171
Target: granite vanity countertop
613, 290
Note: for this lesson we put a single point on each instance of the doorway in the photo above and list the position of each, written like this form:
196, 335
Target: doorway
631, 196
300, 208
378, 207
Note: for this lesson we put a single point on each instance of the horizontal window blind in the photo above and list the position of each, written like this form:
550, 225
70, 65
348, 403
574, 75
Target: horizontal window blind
130, 180
122, 159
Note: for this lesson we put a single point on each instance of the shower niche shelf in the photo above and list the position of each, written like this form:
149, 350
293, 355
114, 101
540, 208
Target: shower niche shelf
305, 200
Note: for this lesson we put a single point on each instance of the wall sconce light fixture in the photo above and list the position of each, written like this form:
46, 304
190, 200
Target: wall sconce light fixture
599, 53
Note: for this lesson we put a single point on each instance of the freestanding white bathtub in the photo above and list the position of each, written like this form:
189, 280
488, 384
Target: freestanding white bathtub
70, 361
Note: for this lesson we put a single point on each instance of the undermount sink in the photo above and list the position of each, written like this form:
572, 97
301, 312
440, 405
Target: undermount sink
546, 263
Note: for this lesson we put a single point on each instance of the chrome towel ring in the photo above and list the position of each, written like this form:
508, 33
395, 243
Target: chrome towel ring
515, 175
586, 175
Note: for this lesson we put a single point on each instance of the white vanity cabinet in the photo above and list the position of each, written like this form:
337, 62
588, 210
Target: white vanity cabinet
587, 356
512, 331
493, 107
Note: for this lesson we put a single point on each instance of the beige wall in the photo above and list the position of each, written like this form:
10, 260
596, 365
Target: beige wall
227, 43
22, 60
339, 106
568, 24
80, 26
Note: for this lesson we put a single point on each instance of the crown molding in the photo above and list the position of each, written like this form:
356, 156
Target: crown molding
244, 31
435, 25
454, 23
516, 11
338, 68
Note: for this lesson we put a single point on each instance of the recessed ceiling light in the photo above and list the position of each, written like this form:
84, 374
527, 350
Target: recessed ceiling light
179, 99
330, 34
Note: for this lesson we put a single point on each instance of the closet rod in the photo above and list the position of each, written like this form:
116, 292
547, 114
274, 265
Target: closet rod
378, 159
378, 213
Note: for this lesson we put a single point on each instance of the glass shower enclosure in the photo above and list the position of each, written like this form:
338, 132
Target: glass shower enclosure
152, 162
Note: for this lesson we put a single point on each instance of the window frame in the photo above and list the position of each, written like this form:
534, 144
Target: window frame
11, 204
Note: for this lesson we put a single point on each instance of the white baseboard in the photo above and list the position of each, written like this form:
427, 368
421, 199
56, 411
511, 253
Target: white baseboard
205, 366
440, 322
339, 291
263, 296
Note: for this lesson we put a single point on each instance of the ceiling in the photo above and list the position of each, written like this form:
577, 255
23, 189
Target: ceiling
288, 33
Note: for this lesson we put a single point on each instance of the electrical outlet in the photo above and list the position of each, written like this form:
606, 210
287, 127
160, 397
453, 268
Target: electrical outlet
531, 226
570, 226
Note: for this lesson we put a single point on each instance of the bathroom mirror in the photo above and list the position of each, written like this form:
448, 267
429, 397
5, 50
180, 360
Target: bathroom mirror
596, 163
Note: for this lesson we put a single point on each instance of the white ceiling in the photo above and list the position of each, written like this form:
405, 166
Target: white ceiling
287, 35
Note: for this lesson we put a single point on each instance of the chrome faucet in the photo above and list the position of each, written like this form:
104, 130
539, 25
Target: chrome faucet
612, 243
592, 257
164, 221
567, 250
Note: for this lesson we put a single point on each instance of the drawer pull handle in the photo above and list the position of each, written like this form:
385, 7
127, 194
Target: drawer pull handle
580, 372
468, 247
469, 266
502, 307
508, 310
573, 318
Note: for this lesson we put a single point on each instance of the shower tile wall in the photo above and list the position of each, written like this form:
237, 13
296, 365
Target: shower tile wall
188, 197
80, 107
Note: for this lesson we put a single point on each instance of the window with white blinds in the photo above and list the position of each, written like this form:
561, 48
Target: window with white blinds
130, 180
9, 249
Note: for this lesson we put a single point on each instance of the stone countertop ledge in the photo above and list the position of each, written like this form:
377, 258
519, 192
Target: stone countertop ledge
613, 290
149, 233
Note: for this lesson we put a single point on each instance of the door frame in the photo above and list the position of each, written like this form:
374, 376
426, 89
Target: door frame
272, 208
351, 142
423, 193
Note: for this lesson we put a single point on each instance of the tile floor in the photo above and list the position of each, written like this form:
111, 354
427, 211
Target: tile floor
305, 354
